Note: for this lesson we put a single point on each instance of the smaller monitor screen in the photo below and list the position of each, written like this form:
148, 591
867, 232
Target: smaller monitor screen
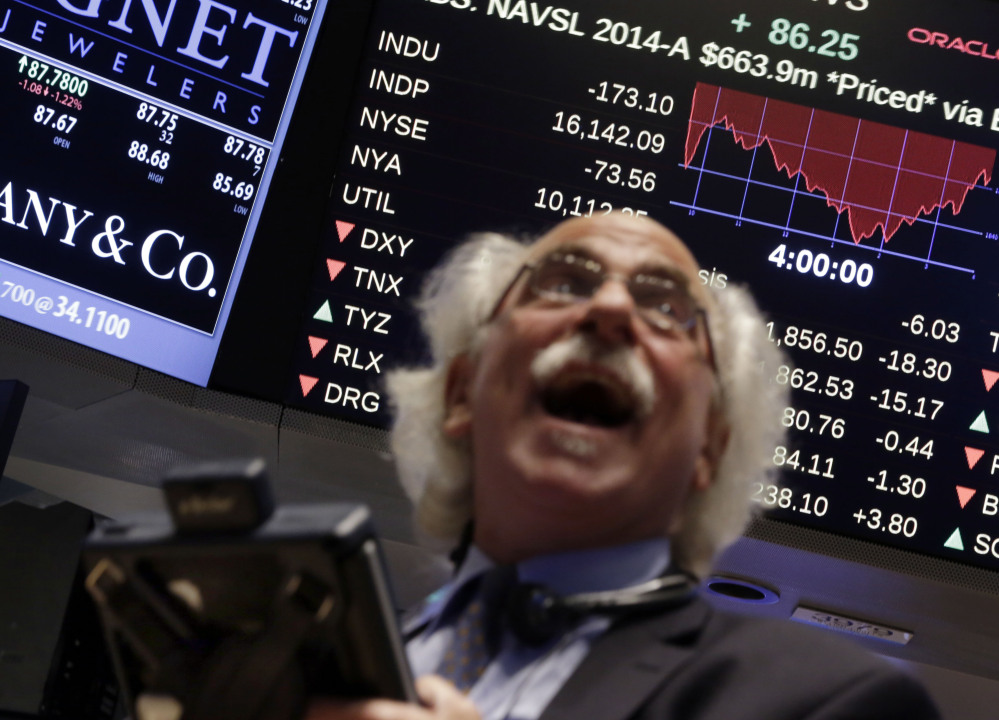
139, 140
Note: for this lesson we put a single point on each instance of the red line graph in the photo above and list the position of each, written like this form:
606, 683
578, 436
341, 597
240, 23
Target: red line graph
880, 175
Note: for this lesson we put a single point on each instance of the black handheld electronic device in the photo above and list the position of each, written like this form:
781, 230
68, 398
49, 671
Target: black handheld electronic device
244, 618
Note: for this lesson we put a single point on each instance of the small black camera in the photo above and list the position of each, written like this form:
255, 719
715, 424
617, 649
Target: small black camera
227, 496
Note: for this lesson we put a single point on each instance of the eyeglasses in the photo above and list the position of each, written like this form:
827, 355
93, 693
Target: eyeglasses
566, 278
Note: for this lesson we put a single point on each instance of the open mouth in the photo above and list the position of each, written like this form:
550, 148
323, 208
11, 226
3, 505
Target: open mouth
589, 399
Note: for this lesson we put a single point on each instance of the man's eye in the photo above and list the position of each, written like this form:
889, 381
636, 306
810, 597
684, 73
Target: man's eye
652, 296
565, 284
654, 289
664, 307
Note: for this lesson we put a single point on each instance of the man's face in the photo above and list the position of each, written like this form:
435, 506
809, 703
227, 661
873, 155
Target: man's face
588, 424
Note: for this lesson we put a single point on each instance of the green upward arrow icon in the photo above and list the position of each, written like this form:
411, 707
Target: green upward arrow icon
954, 542
981, 424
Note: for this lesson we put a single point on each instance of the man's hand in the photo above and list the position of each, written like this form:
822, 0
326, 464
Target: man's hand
441, 701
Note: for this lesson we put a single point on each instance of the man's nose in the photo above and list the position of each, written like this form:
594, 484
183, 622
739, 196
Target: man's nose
611, 313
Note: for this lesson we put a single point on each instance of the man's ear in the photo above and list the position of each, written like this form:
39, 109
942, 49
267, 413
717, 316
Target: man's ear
714, 446
457, 398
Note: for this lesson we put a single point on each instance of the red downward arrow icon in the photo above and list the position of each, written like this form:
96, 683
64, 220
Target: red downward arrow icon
973, 455
316, 344
334, 267
308, 383
343, 229
964, 495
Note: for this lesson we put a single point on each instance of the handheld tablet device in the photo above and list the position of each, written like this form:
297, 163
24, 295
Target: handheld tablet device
219, 620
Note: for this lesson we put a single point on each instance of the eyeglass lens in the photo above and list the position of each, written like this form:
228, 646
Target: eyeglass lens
570, 277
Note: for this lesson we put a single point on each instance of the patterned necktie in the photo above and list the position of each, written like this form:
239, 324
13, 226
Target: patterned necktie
477, 628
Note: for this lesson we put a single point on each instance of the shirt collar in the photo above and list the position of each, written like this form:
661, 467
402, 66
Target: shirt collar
598, 569
566, 573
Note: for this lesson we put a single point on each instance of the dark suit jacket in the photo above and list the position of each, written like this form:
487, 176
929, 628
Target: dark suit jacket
695, 663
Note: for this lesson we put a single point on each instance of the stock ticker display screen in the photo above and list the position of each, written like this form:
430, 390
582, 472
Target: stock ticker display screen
837, 156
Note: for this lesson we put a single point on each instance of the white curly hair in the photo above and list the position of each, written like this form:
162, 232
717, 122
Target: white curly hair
455, 309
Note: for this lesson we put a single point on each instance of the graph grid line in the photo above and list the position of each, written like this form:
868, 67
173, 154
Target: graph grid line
880, 176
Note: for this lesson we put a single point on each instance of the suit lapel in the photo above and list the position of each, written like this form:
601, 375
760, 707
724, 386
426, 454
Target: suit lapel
626, 664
